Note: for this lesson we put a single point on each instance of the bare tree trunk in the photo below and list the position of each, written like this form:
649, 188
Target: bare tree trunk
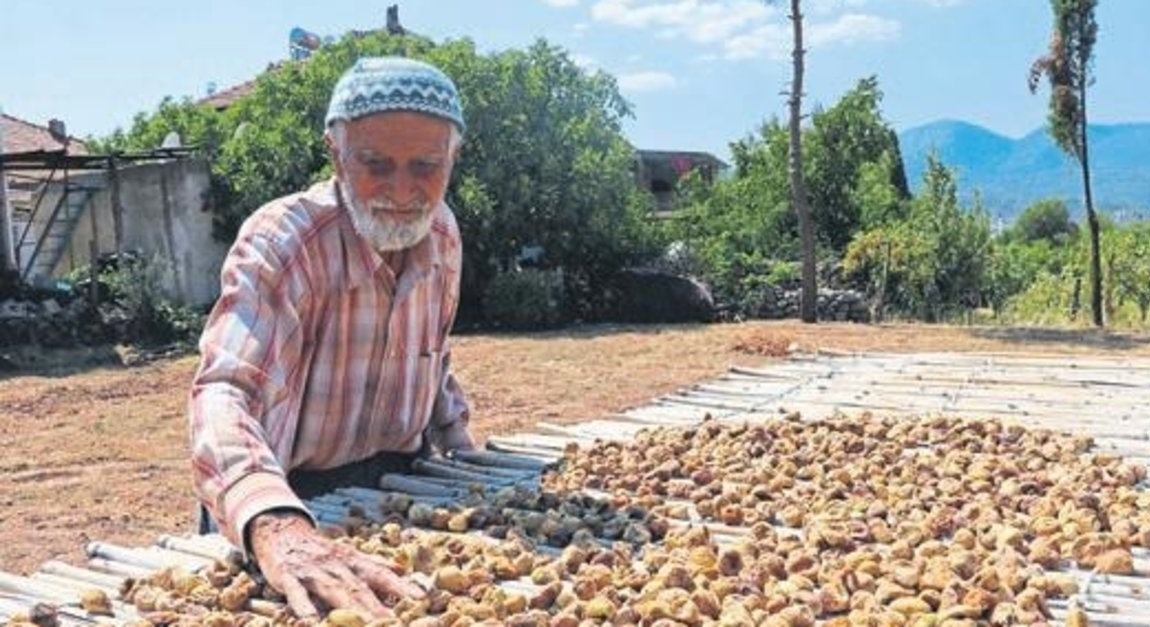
1091, 217
809, 294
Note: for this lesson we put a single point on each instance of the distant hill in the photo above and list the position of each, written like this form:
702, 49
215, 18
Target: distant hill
1010, 174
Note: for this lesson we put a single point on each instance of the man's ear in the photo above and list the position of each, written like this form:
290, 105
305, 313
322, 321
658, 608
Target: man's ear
333, 153
455, 152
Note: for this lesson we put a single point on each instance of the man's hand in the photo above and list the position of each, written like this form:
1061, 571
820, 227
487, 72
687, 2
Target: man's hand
306, 567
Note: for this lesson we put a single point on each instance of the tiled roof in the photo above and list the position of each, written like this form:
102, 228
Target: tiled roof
21, 136
225, 98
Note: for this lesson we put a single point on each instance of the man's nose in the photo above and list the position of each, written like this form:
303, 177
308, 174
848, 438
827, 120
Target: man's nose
401, 187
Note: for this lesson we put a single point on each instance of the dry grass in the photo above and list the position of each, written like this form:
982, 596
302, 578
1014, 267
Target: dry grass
90, 450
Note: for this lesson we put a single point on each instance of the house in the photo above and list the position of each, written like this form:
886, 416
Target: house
19, 188
66, 208
659, 172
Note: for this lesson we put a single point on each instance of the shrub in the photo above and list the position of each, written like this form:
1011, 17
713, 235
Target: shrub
525, 299
134, 305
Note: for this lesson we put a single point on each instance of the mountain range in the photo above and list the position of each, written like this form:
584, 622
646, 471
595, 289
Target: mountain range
1011, 174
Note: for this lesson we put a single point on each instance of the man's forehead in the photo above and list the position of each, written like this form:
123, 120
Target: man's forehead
390, 129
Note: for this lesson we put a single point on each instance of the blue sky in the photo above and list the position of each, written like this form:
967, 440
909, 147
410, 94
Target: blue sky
700, 73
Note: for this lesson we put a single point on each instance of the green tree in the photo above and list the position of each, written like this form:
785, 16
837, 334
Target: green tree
931, 263
1067, 66
877, 195
544, 160
743, 230
843, 139
1014, 265
1130, 265
1044, 220
547, 162
736, 229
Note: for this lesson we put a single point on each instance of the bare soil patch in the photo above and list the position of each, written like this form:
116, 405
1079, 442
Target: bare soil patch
93, 450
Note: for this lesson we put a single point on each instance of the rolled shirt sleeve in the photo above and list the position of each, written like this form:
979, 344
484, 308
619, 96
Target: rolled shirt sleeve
250, 345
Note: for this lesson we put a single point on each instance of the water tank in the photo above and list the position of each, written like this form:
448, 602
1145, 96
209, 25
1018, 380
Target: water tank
301, 43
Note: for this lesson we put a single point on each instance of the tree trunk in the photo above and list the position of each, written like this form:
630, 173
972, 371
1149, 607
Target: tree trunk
1091, 216
809, 293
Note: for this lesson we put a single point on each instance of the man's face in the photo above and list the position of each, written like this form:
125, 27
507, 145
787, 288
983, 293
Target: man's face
393, 168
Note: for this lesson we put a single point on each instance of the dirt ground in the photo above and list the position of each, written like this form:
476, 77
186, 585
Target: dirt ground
93, 450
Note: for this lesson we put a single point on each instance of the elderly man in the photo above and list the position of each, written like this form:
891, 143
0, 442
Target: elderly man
325, 361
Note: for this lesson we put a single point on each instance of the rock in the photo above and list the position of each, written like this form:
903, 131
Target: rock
50, 307
658, 296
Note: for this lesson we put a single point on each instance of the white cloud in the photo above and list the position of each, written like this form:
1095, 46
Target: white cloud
746, 29
698, 20
561, 3
942, 4
853, 28
646, 81
773, 40
830, 7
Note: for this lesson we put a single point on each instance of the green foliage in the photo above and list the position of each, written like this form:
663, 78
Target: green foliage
846, 141
931, 264
525, 299
1067, 68
545, 143
1043, 282
544, 162
150, 316
1044, 220
197, 126
743, 231
1129, 266
734, 231
1014, 265
1049, 300
878, 197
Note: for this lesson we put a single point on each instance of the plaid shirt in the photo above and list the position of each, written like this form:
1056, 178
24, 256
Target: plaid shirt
314, 356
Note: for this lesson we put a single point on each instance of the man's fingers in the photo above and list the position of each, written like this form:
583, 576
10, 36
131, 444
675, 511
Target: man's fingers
340, 587
383, 580
298, 599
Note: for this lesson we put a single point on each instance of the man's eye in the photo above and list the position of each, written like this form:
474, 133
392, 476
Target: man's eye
424, 168
377, 165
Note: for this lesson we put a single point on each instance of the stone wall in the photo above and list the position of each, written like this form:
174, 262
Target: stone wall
53, 322
831, 305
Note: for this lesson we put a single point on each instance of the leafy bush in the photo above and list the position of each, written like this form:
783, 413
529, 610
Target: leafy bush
143, 313
1049, 301
525, 299
544, 161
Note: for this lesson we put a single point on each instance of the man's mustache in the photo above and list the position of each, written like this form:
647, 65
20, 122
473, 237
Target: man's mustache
387, 205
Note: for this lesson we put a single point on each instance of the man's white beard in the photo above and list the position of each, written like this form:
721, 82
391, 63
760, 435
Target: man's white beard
380, 222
